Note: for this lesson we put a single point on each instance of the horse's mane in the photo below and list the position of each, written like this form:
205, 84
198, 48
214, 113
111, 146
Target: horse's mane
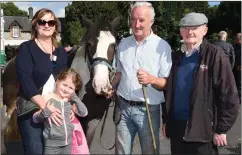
100, 24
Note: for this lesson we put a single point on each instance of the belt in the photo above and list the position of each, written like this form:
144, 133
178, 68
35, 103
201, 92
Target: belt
133, 103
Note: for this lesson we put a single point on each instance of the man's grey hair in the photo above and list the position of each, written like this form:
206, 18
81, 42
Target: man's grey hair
222, 34
147, 4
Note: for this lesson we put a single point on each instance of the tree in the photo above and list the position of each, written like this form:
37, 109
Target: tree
168, 15
73, 32
225, 17
10, 9
92, 10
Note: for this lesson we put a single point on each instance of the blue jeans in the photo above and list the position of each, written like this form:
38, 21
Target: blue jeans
31, 134
134, 120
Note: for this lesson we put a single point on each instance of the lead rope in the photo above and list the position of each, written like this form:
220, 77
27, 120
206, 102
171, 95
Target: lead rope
102, 128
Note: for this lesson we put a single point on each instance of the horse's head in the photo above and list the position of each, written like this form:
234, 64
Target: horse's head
100, 45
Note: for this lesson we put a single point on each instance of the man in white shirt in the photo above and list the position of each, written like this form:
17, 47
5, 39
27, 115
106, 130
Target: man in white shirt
142, 59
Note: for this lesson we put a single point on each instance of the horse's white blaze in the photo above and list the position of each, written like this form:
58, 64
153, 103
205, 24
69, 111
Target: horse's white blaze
101, 76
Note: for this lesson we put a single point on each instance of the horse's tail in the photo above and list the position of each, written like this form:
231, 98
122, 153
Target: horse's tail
12, 131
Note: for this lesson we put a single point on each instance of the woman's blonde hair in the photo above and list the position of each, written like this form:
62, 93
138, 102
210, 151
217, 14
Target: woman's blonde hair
38, 15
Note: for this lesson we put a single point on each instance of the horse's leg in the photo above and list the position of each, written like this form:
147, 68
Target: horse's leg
96, 106
90, 126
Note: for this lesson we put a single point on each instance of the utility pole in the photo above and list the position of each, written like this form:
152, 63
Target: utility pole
129, 17
2, 47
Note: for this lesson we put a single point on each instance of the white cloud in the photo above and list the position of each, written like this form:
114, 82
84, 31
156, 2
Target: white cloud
23, 5
61, 13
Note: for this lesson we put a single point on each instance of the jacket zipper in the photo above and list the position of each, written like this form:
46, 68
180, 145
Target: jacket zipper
64, 121
191, 97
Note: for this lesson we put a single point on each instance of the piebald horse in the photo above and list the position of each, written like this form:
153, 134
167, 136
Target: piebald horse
94, 61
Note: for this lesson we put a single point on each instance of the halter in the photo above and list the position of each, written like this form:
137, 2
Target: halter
93, 62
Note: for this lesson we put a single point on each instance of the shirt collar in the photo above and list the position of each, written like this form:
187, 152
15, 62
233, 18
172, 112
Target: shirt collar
189, 53
148, 38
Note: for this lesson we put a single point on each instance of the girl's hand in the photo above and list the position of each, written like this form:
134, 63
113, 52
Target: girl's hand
72, 116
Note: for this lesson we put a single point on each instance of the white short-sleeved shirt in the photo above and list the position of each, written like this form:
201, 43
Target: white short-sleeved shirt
153, 55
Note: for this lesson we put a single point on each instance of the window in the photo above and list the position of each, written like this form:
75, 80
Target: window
15, 31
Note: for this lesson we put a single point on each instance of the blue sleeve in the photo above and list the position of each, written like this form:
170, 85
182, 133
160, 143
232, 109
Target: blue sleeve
24, 67
62, 61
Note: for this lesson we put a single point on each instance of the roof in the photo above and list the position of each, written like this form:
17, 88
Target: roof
23, 22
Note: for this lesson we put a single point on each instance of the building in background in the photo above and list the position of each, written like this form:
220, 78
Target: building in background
17, 29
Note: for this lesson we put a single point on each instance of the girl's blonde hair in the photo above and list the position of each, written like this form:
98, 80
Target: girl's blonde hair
76, 79
38, 15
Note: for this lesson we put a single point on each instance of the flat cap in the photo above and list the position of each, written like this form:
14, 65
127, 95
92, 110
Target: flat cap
193, 19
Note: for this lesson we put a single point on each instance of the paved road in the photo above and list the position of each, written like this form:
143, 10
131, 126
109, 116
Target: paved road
234, 141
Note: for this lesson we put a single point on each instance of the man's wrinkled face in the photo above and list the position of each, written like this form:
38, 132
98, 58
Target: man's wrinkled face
141, 22
193, 34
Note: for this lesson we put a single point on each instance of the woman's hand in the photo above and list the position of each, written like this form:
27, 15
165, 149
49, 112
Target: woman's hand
55, 116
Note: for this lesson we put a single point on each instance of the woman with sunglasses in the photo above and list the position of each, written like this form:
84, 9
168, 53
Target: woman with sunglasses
37, 63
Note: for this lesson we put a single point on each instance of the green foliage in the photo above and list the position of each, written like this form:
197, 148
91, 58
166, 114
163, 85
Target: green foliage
168, 15
10, 9
226, 16
110, 10
213, 37
59, 43
73, 33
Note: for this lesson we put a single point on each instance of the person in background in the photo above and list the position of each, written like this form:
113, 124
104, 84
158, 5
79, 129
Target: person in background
142, 59
202, 102
237, 64
227, 47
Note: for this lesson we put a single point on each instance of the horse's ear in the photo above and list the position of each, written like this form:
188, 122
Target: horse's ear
116, 22
86, 22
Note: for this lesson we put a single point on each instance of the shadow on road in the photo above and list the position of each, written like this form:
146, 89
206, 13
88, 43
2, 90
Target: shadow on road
235, 150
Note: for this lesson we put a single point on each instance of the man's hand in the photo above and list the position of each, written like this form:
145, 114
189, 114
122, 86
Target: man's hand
144, 77
219, 139
164, 131
108, 92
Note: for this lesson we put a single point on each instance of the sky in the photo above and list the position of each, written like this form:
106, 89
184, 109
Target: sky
59, 7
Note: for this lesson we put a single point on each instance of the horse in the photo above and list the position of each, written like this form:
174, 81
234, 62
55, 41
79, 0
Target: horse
92, 61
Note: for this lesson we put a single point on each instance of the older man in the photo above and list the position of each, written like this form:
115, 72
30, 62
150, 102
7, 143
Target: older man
202, 101
143, 59
227, 47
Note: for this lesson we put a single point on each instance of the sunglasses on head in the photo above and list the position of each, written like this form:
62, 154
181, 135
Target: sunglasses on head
51, 23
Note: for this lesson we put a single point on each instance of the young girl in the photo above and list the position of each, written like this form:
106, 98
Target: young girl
58, 139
